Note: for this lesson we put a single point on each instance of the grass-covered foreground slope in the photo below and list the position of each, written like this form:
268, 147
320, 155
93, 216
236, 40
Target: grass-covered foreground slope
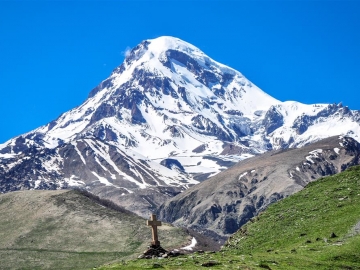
67, 230
316, 228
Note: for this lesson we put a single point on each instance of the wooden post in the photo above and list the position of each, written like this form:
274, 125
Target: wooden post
154, 223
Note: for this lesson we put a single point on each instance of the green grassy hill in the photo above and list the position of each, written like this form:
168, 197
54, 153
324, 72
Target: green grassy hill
316, 228
67, 230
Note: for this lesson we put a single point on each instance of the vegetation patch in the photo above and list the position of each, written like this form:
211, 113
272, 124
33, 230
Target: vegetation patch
312, 229
72, 230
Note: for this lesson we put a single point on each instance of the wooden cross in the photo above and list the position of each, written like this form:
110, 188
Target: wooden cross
154, 223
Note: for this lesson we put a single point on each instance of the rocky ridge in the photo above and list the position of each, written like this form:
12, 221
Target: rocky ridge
219, 206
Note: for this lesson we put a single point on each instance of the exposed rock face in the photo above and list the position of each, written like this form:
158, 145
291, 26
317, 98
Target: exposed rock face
166, 101
91, 163
273, 120
303, 122
172, 163
223, 203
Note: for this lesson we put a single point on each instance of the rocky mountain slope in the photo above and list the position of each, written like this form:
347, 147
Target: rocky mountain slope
220, 205
166, 119
316, 228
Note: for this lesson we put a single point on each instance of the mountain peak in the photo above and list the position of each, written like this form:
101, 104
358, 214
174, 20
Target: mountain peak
165, 43
165, 48
161, 44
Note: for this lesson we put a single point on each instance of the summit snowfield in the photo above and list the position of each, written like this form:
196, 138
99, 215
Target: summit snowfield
168, 117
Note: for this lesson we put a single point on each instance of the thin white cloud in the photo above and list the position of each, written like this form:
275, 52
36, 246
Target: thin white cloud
126, 52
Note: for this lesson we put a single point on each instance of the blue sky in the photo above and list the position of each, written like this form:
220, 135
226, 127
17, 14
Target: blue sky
52, 53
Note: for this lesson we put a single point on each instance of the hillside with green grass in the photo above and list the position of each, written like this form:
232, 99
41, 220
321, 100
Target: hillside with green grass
71, 230
316, 228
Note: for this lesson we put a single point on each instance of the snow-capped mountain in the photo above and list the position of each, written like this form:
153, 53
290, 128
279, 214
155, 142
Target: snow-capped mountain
168, 117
